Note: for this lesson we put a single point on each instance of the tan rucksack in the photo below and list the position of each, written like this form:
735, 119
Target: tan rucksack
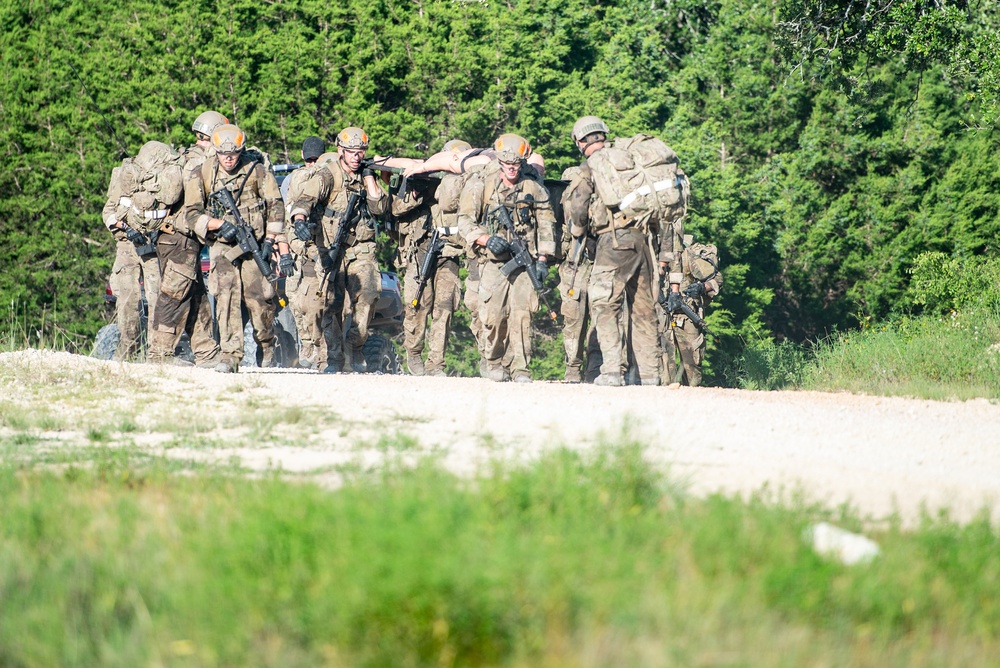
701, 263
151, 183
641, 177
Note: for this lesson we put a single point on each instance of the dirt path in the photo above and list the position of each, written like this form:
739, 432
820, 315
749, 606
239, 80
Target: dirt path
880, 454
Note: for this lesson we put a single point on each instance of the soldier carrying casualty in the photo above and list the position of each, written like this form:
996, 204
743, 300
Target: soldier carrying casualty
332, 210
233, 201
502, 209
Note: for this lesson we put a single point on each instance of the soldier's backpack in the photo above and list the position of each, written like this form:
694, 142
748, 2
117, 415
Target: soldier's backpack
641, 176
151, 183
701, 263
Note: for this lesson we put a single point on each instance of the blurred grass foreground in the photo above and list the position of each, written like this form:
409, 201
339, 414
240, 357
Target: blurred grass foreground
573, 560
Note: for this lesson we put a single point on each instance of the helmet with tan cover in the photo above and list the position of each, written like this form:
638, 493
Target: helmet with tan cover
457, 146
228, 139
588, 125
207, 122
352, 138
512, 148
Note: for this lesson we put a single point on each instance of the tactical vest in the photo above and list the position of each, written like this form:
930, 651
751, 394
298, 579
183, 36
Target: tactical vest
247, 176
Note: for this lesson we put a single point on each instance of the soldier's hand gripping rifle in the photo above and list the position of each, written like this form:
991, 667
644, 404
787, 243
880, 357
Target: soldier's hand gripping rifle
335, 253
245, 238
521, 257
673, 305
429, 266
143, 245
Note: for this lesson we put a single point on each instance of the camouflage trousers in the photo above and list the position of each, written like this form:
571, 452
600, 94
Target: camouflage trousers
234, 283
357, 288
310, 297
678, 335
623, 281
129, 276
579, 333
471, 300
182, 305
439, 301
505, 309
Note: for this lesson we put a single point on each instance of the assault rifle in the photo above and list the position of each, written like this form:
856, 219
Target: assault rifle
334, 255
245, 237
698, 321
576, 257
521, 258
429, 266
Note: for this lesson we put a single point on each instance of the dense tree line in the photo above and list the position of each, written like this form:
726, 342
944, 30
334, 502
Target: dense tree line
820, 167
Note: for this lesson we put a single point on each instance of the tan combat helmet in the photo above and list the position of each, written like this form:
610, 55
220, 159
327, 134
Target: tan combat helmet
587, 126
228, 139
512, 148
207, 122
457, 146
352, 138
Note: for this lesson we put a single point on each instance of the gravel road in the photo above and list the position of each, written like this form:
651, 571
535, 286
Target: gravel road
880, 454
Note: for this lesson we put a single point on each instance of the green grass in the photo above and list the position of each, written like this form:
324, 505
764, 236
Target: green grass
954, 357
950, 357
570, 561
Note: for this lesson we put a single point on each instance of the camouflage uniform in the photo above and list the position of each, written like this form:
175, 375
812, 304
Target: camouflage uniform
183, 304
234, 277
624, 280
506, 304
442, 292
321, 194
579, 333
679, 335
130, 274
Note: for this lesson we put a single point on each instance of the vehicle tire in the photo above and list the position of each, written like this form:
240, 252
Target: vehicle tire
106, 342
286, 340
250, 348
381, 356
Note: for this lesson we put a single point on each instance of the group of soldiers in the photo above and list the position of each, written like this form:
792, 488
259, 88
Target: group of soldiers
629, 301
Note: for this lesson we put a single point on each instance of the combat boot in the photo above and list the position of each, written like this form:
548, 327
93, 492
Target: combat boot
358, 363
333, 368
415, 364
572, 374
437, 373
522, 377
497, 373
267, 358
608, 380
228, 365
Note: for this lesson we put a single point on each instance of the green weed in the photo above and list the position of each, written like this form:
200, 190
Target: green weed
572, 560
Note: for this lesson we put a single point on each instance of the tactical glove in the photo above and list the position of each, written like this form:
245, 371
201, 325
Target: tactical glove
695, 290
226, 232
303, 230
135, 236
541, 269
286, 264
497, 245
267, 249
674, 302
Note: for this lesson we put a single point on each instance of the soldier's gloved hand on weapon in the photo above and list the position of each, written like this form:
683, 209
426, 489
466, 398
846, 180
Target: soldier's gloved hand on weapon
542, 268
497, 245
134, 235
674, 302
286, 264
303, 230
267, 249
695, 290
226, 232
